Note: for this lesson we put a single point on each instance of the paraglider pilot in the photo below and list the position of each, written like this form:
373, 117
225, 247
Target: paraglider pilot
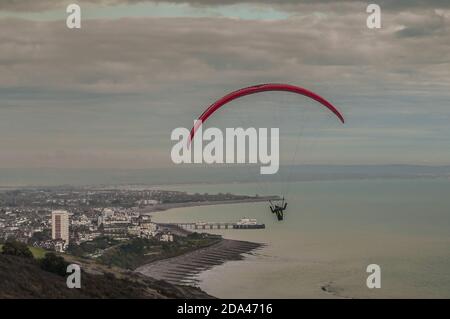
278, 209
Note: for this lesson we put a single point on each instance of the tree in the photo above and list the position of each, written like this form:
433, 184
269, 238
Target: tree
16, 248
54, 264
41, 236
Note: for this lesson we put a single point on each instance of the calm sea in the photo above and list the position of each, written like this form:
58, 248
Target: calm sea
331, 232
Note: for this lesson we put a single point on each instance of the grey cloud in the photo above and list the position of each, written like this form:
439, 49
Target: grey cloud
154, 68
385, 4
39, 5
147, 54
423, 25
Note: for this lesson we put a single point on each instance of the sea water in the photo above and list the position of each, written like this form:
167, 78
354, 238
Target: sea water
332, 231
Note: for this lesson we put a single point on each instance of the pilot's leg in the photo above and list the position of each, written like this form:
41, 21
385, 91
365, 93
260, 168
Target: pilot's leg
280, 215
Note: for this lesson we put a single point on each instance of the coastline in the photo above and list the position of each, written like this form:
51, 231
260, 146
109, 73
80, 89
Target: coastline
183, 269
164, 207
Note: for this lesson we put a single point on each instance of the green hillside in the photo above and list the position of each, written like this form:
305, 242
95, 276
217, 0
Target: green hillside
38, 253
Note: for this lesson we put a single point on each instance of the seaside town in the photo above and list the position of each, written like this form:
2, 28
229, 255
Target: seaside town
61, 219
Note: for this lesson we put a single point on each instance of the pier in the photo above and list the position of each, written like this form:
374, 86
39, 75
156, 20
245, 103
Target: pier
213, 225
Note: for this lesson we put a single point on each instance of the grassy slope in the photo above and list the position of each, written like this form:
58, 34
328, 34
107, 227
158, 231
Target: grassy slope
133, 254
23, 278
38, 253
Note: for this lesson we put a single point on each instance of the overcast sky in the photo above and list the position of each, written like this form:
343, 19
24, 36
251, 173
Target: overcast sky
109, 95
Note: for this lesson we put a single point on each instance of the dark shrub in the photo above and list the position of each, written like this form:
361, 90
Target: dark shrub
54, 264
15, 248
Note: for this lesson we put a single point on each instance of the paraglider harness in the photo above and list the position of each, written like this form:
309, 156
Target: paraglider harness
278, 209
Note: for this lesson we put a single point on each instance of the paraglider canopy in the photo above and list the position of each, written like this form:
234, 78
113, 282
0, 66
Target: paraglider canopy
257, 89
276, 208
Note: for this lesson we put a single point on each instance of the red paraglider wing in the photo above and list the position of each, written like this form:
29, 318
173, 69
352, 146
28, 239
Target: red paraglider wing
257, 89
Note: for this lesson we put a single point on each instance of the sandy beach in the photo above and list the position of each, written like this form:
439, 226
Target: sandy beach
163, 207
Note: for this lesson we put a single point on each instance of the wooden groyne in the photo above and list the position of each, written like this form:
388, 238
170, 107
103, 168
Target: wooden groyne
183, 269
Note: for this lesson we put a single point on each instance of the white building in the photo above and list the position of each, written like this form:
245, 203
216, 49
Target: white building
83, 220
83, 237
60, 246
60, 225
148, 202
166, 237
108, 213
